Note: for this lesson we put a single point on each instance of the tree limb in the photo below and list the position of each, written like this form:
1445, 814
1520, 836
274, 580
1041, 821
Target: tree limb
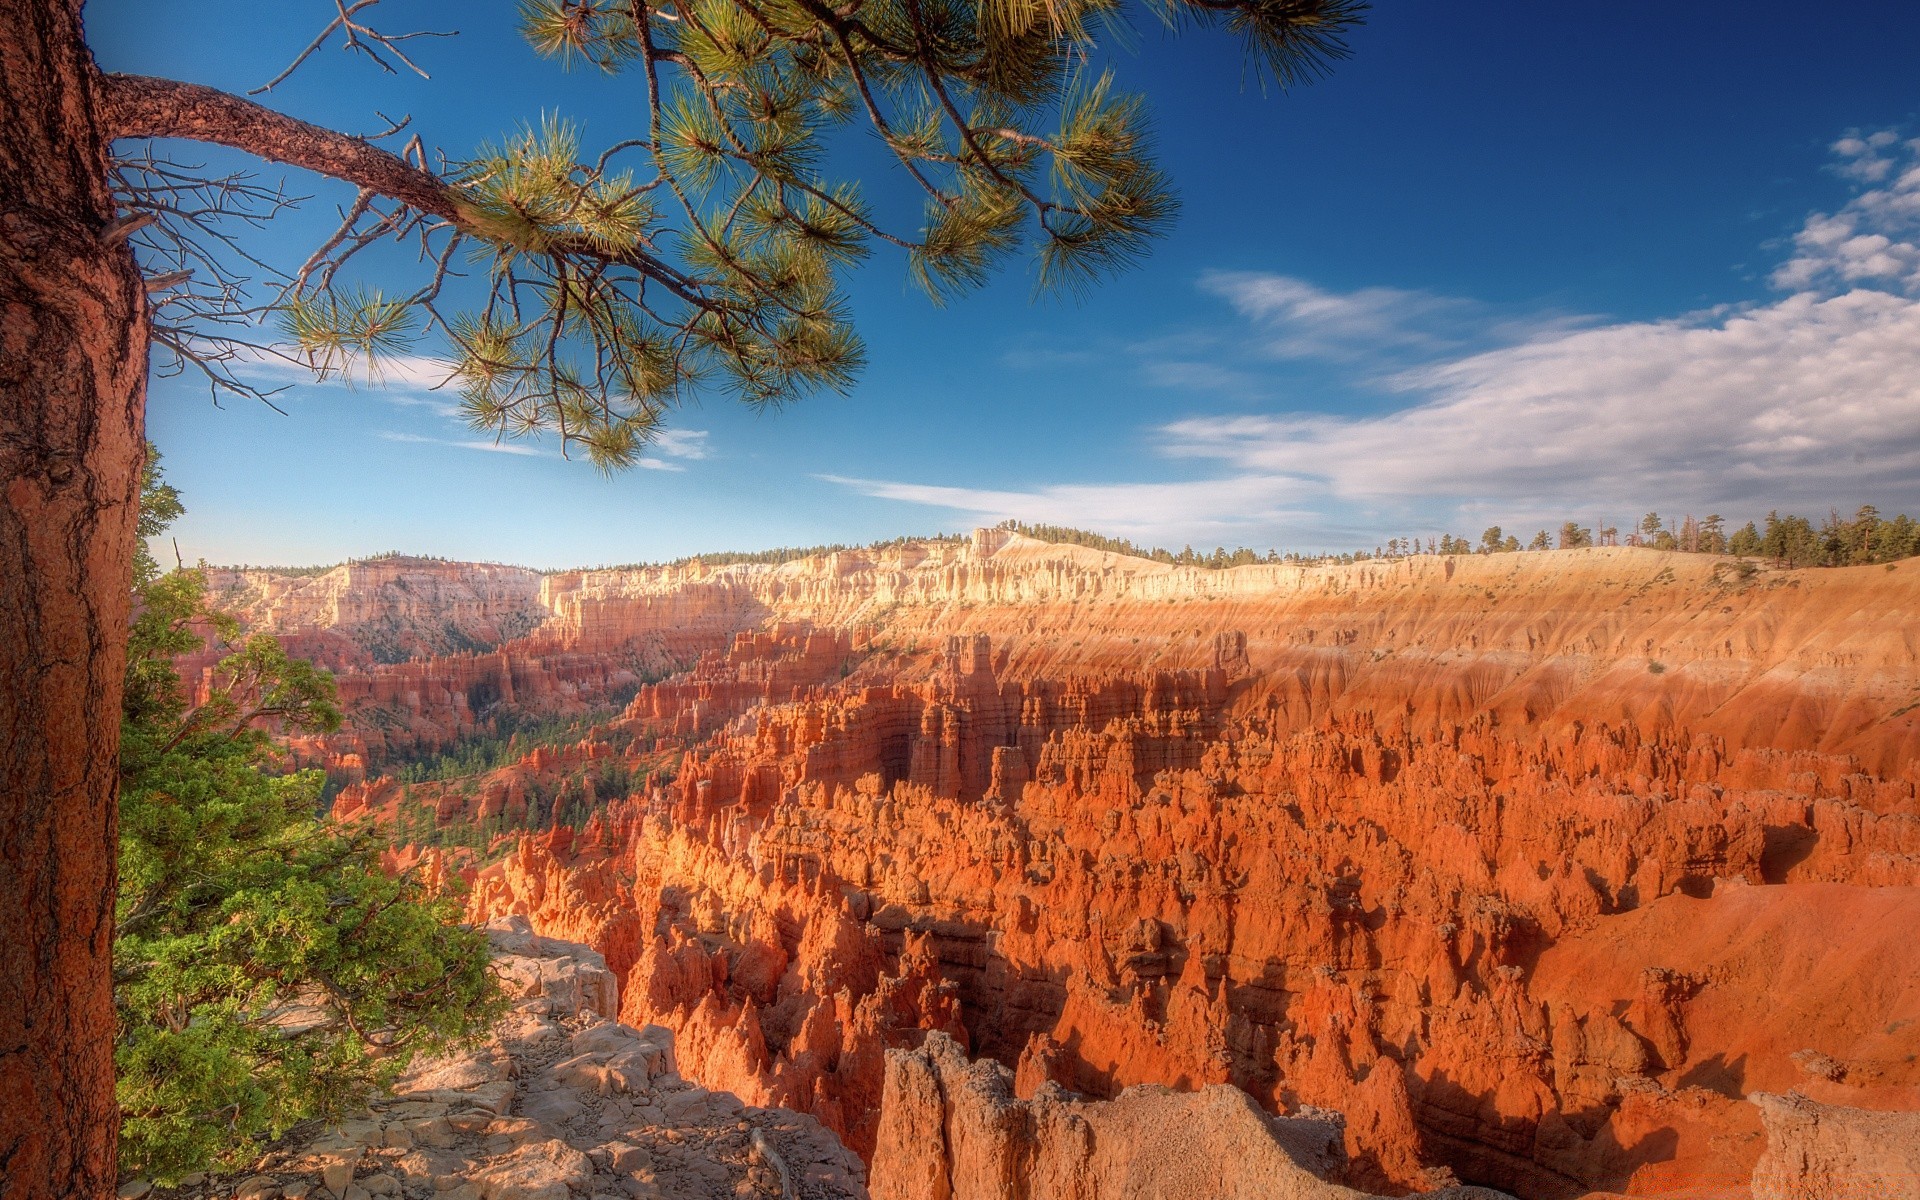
139, 106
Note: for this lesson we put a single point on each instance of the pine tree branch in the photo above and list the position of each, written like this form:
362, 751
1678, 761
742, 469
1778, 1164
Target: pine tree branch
140, 106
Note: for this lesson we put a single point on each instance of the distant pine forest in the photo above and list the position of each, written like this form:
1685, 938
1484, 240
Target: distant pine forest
1785, 540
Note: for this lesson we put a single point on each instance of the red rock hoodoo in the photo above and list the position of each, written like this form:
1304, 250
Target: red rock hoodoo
1534, 865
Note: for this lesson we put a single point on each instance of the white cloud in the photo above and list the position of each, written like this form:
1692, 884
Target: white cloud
1801, 402
503, 448
1791, 402
1200, 377
1301, 320
1870, 239
486, 446
681, 443
406, 380
413, 372
1152, 512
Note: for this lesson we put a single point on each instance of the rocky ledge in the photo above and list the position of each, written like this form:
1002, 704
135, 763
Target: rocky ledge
1825, 1152
952, 1129
563, 1102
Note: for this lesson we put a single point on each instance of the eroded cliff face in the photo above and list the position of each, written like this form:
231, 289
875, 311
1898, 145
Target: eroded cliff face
387, 609
1531, 865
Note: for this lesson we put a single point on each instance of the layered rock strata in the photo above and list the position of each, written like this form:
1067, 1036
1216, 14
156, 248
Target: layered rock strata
386, 609
1532, 865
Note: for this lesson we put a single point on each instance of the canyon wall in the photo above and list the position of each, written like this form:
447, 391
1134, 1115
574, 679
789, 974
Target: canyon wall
1531, 865
385, 609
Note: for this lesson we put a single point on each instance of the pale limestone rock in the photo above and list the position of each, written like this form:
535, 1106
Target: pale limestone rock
257, 1187
337, 1177
952, 1129
1825, 1152
548, 1170
571, 977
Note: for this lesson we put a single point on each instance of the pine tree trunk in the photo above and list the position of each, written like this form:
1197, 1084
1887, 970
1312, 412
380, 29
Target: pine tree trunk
73, 326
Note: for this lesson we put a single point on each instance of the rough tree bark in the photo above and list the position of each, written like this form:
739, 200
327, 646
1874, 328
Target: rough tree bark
73, 366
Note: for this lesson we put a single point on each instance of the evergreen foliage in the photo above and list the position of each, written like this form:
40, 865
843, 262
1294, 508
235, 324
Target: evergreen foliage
1219, 558
513, 735
707, 250
782, 554
1789, 541
266, 970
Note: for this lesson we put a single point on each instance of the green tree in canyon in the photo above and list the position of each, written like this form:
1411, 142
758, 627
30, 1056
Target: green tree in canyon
609, 291
266, 969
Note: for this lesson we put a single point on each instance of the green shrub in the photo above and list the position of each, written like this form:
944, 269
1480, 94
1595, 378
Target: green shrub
266, 969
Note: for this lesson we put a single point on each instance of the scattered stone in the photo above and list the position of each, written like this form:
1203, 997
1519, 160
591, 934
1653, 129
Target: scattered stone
562, 1104
536, 1171
553, 1108
257, 1187
429, 1131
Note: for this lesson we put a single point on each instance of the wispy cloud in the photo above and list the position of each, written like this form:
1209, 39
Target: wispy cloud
1198, 509
1807, 400
1872, 238
1201, 376
682, 443
1301, 320
1369, 331
405, 380
1784, 403
485, 446
410, 372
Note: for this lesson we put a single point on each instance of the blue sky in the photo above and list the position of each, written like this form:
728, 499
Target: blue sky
1509, 264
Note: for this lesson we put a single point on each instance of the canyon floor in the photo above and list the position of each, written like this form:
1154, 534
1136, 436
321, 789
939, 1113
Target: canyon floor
1579, 873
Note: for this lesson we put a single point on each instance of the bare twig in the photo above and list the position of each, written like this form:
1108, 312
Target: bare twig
363, 39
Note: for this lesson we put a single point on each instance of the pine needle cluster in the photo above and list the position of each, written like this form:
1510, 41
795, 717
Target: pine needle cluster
717, 261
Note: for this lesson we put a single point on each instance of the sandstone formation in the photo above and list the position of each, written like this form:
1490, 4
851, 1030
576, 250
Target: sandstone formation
953, 1128
386, 609
562, 1103
1531, 865
1821, 1152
